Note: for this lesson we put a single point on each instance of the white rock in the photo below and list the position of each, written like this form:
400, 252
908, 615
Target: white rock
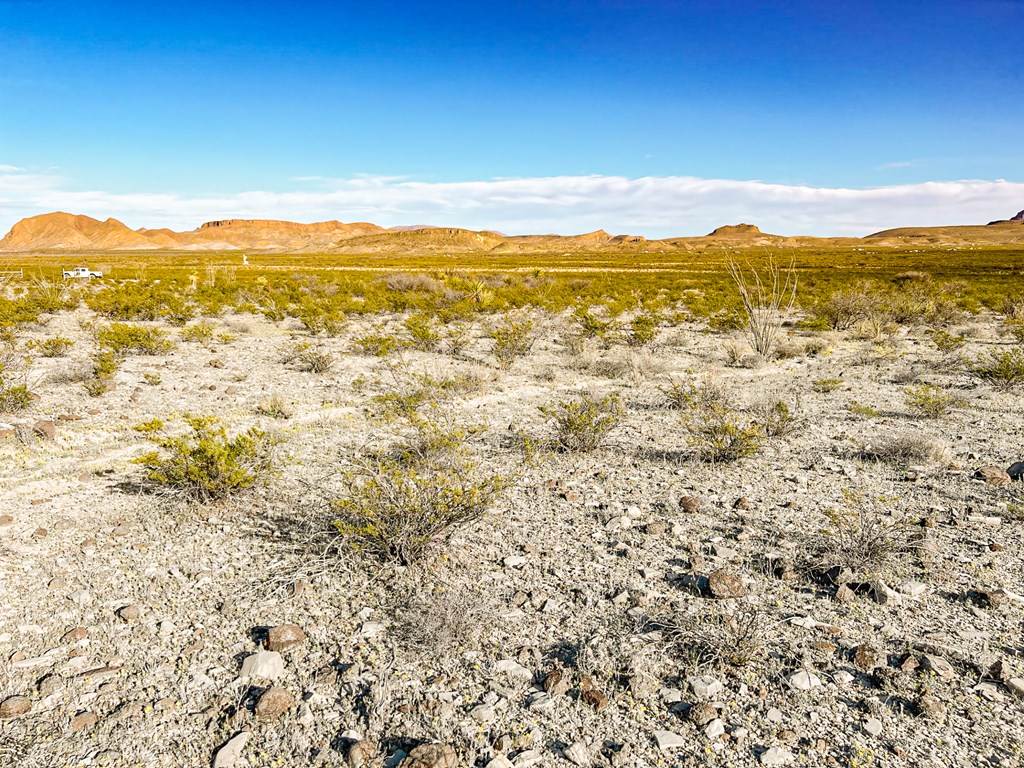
305, 717
371, 629
514, 561
669, 740
81, 598
913, 588
842, 677
228, 755
714, 729
777, 756
267, 665
513, 668
577, 754
938, 665
1016, 686
884, 594
705, 687
775, 715
528, 758
873, 727
483, 714
803, 680
501, 761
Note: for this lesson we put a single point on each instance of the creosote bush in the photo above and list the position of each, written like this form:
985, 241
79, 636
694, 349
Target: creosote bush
55, 346
583, 423
1003, 370
930, 401
719, 434
397, 511
513, 337
13, 397
129, 339
861, 537
205, 463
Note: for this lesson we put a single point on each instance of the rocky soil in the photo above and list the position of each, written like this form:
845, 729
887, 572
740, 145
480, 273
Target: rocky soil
625, 607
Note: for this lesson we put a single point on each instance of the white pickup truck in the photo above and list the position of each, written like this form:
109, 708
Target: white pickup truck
81, 272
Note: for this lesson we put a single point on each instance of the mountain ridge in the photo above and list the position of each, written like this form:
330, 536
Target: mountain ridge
66, 231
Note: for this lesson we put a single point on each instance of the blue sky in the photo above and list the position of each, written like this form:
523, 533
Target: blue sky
151, 111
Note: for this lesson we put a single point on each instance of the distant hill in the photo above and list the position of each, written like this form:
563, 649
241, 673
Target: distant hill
68, 232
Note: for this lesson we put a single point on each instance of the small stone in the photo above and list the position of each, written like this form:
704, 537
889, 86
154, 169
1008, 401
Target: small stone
74, 635
884, 594
46, 429
513, 669
714, 729
595, 698
776, 756
273, 703
993, 475
1015, 685
361, 753
556, 683
937, 665
775, 715
913, 588
723, 584
81, 598
483, 714
500, 761
84, 721
656, 528
229, 754
929, 706
705, 687
867, 657
690, 504
5, 520
1016, 470
263, 664
14, 706
668, 740
701, 714
578, 754
432, 756
873, 727
804, 680
284, 637
845, 595
129, 613
742, 503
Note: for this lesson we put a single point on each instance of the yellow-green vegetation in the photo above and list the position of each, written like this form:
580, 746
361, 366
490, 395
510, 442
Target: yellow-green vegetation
13, 397
930, 401
686, 395
513, 337
643, 330
1004, 370
205, 463
583, 423
860, 536
946, 341
55, 346
828, 385
275, 407
398, 506
862, 409
423, 332
720, 434
315, 359
200, 332
131, 339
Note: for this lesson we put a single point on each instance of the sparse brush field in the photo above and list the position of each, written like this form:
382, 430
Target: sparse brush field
331, 511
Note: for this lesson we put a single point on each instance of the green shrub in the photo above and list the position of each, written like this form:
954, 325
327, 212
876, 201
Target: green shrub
643, 329
1003, 370
13, 397
778, 418
395, 511
929, 401
684, 396
845, 308
205, 463
423, 332
378, 345
583, 423
56, 346
719, 434
127, 339
828, 385
946, 341
200, 332
862, 409
513, 338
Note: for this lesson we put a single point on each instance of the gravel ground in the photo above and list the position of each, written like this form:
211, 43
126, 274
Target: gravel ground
628, 607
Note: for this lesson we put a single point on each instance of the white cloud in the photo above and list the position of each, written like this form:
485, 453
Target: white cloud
651, 206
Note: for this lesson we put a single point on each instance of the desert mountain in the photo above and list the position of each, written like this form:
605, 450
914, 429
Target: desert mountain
68, 232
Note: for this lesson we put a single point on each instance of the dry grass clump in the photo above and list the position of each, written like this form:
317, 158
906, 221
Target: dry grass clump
716, 638
777, 417
205, 463
860, 537
828, 385
687, 395
441, 622
275, 407
315, 360
843, 309
908, 449
583, 423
